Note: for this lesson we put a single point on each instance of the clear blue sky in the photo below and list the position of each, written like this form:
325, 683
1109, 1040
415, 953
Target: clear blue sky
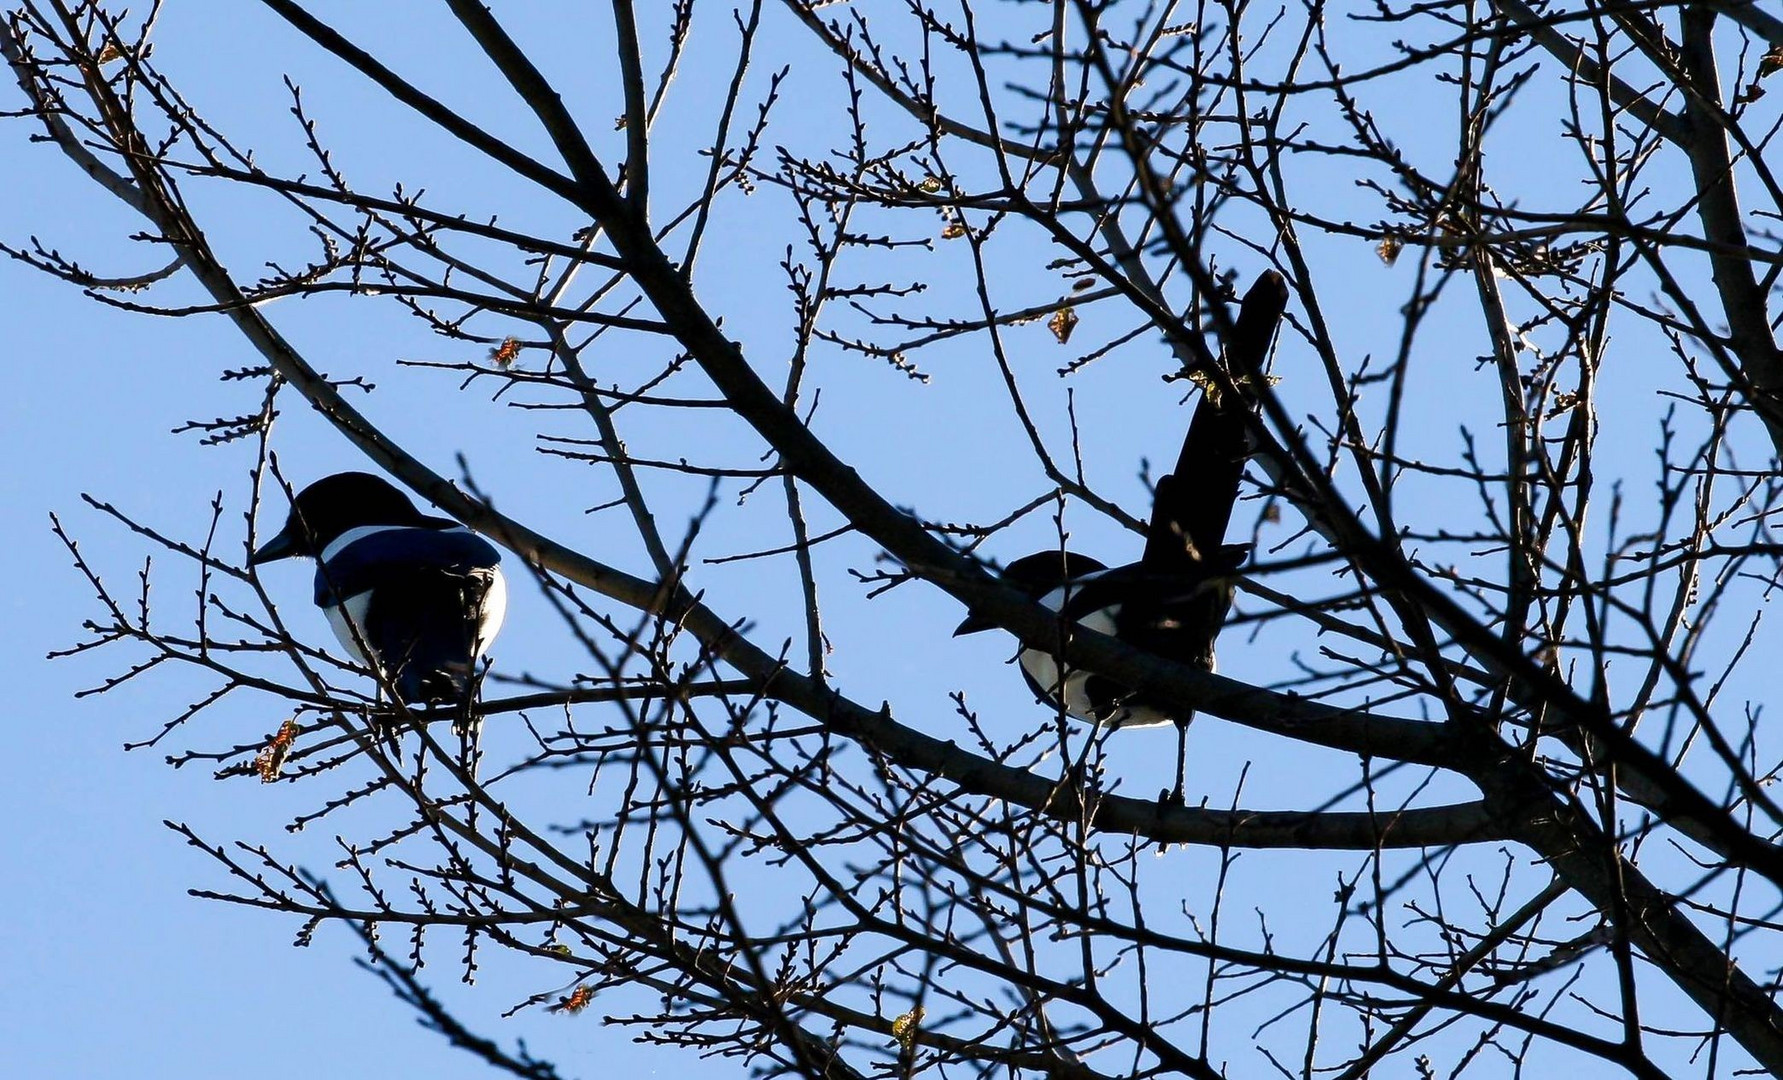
110, 968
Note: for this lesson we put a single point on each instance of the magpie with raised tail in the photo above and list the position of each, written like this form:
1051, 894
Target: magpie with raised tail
1175, 599
416, 598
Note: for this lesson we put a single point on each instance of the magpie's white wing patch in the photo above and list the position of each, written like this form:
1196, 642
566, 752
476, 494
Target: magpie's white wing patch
347, 619
1042, 670
495, 610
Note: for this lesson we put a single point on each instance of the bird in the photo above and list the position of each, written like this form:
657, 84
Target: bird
415, 598
1172, 612
1174, 600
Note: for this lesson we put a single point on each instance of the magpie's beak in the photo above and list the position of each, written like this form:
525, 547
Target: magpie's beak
282, 546
974, 624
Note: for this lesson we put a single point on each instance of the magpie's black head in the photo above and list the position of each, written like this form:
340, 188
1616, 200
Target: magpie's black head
334, 504
1036, 575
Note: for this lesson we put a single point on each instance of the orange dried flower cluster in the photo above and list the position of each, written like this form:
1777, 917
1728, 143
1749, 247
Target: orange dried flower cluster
1061, 324
504, 354
269, 761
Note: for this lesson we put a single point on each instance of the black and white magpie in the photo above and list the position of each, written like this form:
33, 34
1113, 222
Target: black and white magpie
1173, 612
1175, 599
416, 598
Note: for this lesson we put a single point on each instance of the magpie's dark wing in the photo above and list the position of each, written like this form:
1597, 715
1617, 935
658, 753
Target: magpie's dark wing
422, 622
427, 594
1192, 506
1110, 588
1134, 586
365, 563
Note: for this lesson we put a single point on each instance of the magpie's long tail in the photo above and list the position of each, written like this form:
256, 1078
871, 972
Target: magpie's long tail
1193, 504
1192, 507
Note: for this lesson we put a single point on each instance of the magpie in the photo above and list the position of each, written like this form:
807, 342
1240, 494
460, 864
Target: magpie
1175, 599
415, 598
1175, 613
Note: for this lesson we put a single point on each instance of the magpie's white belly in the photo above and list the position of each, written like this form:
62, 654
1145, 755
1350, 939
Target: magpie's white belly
347, 620
1043, 668
495, 609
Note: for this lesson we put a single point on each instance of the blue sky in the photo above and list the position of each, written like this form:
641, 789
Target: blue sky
111, 968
